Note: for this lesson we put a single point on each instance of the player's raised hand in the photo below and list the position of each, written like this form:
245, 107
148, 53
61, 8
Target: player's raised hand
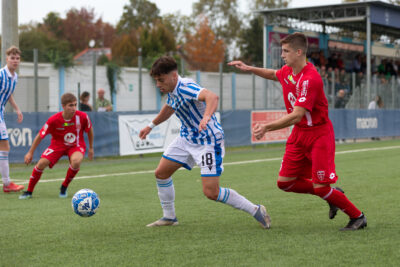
203, 123
144, 132
240, 65
28, 158
259, 131
20, 116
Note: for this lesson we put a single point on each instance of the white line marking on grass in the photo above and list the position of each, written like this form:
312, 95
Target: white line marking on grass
228, 163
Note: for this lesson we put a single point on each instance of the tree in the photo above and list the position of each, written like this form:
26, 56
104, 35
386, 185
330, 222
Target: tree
180, 25
203, 50
125, 49
250, 41
139, 13
52, 25
224, 15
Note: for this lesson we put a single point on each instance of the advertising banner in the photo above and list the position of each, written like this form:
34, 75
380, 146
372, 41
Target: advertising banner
265, 117
158, 139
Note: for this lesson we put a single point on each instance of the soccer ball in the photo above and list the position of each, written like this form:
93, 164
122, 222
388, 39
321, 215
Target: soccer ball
85, 202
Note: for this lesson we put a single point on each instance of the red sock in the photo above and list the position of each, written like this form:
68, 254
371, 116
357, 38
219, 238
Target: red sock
35, 177
337, 198
70, 175
302, 186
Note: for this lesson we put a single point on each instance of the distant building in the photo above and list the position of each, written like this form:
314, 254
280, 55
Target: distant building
86, 56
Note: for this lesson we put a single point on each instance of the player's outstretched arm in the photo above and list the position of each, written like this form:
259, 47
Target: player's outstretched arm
164, 114
211, 100
290, 119
29, 155
269, 74
16, 108
90, 138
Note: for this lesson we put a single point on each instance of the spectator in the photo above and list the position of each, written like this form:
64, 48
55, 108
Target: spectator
344, 80
340, 101
102, 104
377, 103
322, 59
357, 64
84, 102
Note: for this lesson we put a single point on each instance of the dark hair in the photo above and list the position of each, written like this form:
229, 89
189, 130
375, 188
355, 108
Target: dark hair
163, 65
296, 40
84, 95
13, 50
67, 98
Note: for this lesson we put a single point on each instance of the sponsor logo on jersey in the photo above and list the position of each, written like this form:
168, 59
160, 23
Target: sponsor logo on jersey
292, 99
61, 129
69, 138
321, 175
290, 78
305, 88
68, 124
332, 175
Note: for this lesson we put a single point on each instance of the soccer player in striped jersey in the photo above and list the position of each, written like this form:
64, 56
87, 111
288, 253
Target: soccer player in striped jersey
8, 80
67, 130
201, 142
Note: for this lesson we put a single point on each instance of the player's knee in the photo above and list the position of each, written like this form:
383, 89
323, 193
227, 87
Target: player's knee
210, 193
160, 174
76, 163
281, 185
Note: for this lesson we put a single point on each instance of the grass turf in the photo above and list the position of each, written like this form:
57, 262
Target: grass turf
44, 231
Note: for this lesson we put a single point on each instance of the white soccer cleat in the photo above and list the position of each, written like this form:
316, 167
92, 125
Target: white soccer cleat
262, 217
164, 222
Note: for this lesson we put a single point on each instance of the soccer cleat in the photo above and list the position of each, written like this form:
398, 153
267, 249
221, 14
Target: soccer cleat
356, 224
164, 222
26, 195
332, 208
63, 192
262, 217
12, 188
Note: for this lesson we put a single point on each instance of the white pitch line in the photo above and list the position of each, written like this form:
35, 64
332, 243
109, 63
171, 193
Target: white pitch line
229, 163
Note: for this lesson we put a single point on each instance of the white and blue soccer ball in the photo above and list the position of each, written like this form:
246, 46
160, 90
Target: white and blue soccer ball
85, 202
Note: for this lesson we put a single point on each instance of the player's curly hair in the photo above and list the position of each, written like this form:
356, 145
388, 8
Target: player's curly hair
163, 65
13, 50
67, 98
296, 40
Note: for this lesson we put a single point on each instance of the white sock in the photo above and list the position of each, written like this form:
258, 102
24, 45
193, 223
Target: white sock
4, 168
234, 199
166, 193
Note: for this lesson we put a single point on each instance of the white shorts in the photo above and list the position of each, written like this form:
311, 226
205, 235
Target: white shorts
208, 157
3, 131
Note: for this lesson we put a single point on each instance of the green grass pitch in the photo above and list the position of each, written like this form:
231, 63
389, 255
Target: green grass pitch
44, 231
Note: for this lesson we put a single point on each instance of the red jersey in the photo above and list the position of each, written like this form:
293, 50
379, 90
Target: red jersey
306, 90
67, 133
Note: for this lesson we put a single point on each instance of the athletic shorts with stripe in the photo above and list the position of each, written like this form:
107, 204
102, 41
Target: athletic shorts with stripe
208, 157
310, 153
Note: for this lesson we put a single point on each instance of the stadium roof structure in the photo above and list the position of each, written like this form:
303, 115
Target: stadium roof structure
372, 17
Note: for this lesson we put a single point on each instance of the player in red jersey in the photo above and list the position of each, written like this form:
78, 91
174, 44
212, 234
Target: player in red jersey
308, 165
66, 128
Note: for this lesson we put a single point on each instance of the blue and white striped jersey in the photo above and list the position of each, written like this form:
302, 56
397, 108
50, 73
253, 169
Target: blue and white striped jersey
190, 112
7, 87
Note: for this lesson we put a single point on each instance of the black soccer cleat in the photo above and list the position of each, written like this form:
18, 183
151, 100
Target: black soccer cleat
332, 208
356, 224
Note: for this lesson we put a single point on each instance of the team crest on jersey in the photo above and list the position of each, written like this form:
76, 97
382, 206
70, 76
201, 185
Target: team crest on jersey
69, 138
321, 175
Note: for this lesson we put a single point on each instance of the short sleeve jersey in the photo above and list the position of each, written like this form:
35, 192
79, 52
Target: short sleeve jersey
189, 110
67, 133
7, 87
306, 90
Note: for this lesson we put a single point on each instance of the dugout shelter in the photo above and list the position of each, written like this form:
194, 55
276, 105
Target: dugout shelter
369, 20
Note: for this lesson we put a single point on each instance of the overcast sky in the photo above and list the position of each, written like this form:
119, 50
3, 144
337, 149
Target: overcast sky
111, 10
